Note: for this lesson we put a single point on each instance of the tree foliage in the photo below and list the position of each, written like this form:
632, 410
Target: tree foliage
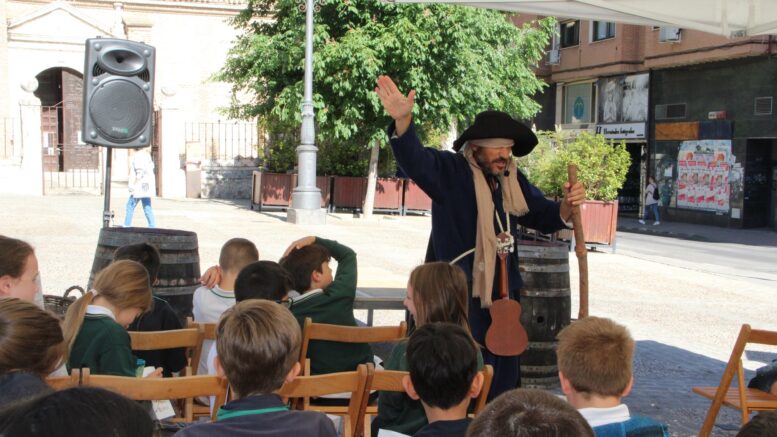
460, 60
601, 163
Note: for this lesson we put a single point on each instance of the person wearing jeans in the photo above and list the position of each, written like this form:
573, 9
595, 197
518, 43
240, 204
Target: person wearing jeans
142, 187
651, 204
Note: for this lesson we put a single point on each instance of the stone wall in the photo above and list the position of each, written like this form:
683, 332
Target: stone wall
227, 179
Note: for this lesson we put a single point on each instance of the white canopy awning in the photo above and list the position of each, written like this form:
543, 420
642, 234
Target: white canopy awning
730, 18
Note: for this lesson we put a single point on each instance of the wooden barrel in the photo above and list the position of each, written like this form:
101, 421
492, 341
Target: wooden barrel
179, 272
546, 308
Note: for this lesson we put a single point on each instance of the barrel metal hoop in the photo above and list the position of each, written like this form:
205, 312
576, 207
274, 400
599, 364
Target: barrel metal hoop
545, 292
552, 268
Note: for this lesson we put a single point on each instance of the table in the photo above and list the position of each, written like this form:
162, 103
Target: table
371, 299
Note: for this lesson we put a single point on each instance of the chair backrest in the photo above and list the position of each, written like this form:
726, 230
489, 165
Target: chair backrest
356, 382
208, 333
347, 334
734, 368
149, 389
391, 380
63, 382
190, 338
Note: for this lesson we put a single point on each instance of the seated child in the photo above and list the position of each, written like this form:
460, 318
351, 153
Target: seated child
19, 276
442, 359
31, 347
77, 411
436, 292
161, 316
258, 346
529, 413
762, 424
259, 280
95, 326
595, 360
326, 300
210, 302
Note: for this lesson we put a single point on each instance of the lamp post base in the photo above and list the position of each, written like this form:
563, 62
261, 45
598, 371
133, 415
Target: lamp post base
301, 216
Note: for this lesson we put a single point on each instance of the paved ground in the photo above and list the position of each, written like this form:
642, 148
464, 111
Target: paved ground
684, 317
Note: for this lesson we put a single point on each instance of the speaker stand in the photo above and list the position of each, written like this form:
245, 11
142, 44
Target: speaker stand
107, 214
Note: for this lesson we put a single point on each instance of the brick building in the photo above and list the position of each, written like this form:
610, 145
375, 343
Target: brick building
695, 109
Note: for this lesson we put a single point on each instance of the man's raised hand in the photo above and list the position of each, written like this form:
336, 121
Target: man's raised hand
396, 104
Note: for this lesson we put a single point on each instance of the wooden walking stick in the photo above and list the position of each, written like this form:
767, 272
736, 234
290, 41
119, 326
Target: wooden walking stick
580, 249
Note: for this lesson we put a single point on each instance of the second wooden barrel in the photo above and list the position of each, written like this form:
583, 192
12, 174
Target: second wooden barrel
546, 308
179, 272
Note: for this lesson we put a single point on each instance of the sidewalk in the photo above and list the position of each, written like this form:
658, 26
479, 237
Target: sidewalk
711, 234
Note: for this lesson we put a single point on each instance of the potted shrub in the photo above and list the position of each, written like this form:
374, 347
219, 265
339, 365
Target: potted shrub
602, 165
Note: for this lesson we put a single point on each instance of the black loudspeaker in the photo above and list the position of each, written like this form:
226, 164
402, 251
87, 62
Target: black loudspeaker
118, 93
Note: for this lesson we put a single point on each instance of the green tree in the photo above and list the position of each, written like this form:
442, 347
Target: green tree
601, 163
460, 60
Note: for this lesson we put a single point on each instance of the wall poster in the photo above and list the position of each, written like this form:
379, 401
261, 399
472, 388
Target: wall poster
704, 168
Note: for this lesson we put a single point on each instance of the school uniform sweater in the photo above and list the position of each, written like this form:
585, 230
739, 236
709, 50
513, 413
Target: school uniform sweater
396, 411
103, 346
17, 386
161, 317
262, 415
334, 305
445, 428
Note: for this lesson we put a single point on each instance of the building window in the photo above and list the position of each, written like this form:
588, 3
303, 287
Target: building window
570, 33
602, 30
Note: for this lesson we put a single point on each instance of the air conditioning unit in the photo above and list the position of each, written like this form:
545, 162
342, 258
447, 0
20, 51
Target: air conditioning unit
669, 34
554, 57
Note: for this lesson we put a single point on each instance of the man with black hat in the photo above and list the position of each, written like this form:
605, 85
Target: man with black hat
477, 194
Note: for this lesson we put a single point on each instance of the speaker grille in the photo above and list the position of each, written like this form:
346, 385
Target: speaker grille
119, 110
97, 70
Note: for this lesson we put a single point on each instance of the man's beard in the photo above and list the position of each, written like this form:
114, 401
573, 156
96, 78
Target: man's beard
485, 166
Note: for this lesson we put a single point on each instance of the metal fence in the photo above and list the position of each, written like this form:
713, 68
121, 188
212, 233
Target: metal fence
10, 148
222, 141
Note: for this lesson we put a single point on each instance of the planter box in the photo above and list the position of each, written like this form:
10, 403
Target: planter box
600, 221
388, 194
275, 189
415, 199
348, 192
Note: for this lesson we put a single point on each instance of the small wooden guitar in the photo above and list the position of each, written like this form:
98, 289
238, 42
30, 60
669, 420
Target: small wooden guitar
506, 336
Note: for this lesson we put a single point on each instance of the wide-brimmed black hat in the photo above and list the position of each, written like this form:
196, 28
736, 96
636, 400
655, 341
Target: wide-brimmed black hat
498, 124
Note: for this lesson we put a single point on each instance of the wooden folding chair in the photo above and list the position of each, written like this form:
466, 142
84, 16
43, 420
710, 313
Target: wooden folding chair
347, 334
741, 398
152, 389
391, 380
190, 338
356, 382
63, 382
208, 333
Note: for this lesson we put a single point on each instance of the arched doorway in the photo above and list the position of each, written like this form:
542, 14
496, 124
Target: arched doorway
67, 162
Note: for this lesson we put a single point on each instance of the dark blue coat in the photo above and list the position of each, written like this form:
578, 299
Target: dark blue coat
446, 177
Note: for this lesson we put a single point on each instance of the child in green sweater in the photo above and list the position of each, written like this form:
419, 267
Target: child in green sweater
325, 300
95, 326
436, 292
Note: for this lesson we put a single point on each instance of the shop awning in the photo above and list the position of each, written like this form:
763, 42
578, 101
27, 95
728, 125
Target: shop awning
730, 18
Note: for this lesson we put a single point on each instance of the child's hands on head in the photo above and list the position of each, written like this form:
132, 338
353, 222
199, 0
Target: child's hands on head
211, 277
302, 242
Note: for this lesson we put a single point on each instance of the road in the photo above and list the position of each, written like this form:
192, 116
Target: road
753, 264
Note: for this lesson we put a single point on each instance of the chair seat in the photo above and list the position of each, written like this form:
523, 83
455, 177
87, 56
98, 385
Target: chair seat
757, 400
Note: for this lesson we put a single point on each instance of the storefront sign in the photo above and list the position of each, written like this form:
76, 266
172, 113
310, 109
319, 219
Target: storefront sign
622, 131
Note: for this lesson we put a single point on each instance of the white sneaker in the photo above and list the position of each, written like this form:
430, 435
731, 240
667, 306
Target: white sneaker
656, 223
642, 222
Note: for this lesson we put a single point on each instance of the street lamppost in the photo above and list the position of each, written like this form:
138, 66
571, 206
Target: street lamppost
306, 197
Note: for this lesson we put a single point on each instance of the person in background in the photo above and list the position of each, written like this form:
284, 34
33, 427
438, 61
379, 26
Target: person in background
31, 347
529, 413
258, 346
161, 316
442, 359
651, 203
142, 186
19, 275
77, 411
95, 326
